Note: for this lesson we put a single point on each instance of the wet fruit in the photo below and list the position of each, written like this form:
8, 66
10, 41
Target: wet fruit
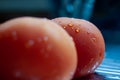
89, 43
35, 49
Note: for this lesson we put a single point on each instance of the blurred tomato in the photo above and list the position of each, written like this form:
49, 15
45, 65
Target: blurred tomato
35, 49
89, 43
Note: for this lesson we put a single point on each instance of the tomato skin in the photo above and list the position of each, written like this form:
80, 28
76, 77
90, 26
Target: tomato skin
33, 49
89, 43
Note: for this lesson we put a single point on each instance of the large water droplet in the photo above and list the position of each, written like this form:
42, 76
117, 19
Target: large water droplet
70, 25
93, 39
88, 33
77, 30
64, 27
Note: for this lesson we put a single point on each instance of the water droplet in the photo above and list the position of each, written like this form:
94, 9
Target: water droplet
88, 33
45, 38
29, 44
64, 27
89, 71
70, 25
77, 30
14, 34
93, 39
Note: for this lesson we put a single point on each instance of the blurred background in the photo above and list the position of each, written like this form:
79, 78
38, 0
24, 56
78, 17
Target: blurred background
105, 14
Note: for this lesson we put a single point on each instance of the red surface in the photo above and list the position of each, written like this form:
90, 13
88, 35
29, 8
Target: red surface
33, 49
89, 43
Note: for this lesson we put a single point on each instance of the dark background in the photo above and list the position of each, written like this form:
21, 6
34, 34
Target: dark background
105, 14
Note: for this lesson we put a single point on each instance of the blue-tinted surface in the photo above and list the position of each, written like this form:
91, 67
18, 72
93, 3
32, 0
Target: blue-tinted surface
113, 51
110, 68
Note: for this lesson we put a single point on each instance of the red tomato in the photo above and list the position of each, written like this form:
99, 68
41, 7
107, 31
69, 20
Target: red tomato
89, 43
35, 49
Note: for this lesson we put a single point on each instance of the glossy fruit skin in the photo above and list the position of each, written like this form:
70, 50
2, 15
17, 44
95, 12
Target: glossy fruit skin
33, 49
89, 43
